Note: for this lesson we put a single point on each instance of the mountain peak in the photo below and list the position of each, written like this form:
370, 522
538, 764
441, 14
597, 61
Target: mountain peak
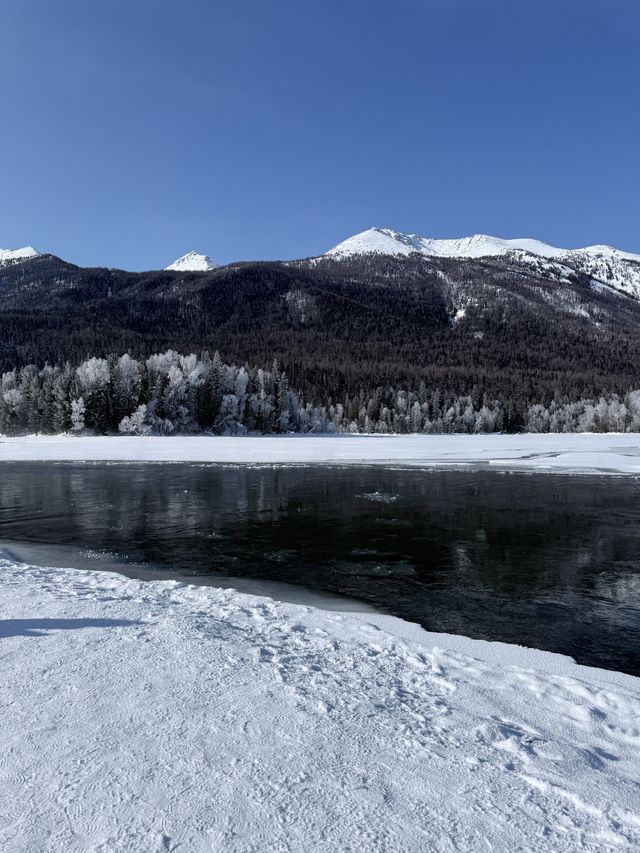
192, 262
388, 242
609, 252
385, 241
14, 256
610, 266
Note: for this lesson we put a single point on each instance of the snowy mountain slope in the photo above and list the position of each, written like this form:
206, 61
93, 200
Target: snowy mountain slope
617, 269
386, 241
14, 256
607, 252
161, 716
192, 262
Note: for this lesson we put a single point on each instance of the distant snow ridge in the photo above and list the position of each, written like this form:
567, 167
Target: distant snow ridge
14, 256
192, 262
620, 270
388, 242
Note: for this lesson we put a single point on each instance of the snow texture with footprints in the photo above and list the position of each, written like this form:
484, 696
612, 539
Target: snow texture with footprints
162, 716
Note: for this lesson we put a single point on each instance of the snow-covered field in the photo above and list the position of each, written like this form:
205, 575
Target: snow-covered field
585, 452
160, 716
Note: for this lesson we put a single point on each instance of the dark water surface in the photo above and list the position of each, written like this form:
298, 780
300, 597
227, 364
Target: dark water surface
550, 561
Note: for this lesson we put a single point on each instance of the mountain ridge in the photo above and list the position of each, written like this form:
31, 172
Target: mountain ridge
341, 323
608, 265
388, 241
604, 264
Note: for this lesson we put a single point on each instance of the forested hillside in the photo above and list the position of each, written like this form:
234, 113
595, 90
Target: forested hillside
344, 331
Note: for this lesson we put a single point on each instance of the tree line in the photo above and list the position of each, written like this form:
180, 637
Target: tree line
173, 393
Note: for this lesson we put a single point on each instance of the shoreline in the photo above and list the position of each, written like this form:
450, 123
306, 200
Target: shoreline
490, 651
56, 556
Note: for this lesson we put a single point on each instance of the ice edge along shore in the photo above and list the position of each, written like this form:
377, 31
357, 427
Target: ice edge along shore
610, 453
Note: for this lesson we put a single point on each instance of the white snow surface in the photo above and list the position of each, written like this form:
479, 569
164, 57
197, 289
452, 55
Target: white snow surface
609, 453
155, 716
387, 241
13, 256
193, 262
620, 270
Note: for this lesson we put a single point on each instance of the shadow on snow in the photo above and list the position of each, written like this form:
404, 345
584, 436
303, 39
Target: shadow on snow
39, 627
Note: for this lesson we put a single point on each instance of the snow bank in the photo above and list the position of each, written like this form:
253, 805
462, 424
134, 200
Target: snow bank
153, 716
585, 452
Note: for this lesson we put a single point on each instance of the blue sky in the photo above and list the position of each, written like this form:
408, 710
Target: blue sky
133, 132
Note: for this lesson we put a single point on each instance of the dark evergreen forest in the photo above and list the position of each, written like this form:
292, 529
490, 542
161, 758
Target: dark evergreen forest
354, 336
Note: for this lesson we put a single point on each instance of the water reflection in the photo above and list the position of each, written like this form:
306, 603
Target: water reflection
543, 560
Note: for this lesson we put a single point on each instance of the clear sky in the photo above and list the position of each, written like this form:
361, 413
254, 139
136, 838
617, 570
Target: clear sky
132, 132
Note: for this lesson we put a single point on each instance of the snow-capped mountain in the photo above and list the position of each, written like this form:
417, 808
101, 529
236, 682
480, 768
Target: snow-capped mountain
620, 270
387, 242
518, 323
14, 256
192, 262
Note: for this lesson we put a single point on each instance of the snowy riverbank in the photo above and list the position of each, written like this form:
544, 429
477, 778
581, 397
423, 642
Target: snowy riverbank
585, 452
155, 715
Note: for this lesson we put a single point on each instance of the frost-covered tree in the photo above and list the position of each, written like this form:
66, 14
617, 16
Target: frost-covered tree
127, 385
10, 408
93, 379
632, 404
538, 419
78, 414
136, 423
171, 392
